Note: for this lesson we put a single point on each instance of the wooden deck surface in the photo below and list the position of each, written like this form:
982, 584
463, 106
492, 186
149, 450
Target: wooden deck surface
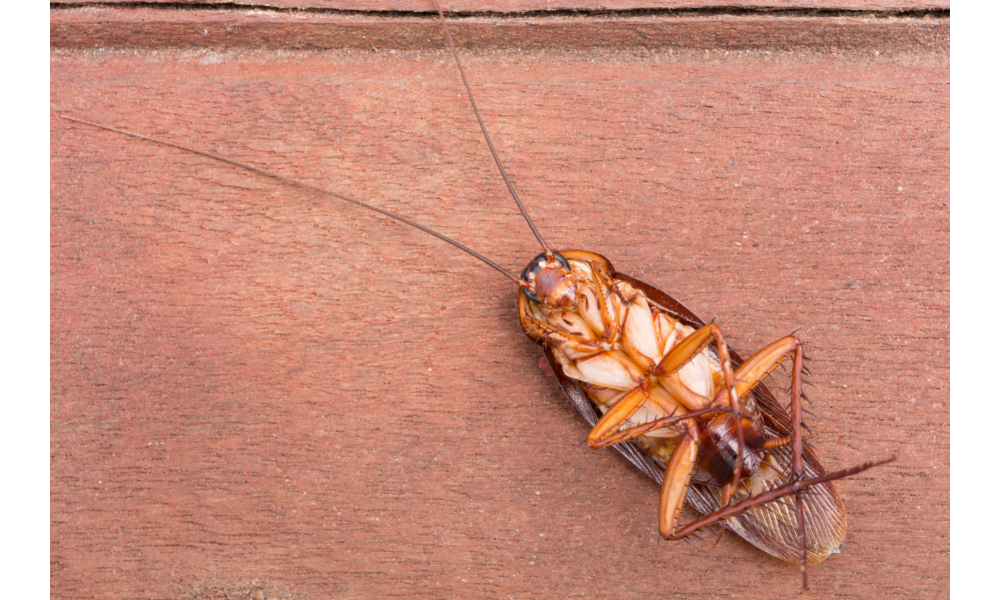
256, 388
524, 6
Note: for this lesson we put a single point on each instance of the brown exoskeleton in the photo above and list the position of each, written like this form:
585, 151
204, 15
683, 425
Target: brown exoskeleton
702, 422
663, 387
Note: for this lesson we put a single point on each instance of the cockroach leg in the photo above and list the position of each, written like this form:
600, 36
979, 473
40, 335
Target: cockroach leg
758, 366
765, 497
602, 284
800, 521
690, 399
751, 372
618, 414
690, 347
624, 435
676, 480
553, 335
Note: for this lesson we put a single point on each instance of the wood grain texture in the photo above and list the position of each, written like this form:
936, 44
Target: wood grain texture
520, 6
254, 384
151, 28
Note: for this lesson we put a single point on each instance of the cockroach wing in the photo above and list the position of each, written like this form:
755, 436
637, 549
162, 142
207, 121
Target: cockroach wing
770, 527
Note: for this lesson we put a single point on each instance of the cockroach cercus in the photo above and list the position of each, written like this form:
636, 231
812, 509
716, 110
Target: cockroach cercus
663, 387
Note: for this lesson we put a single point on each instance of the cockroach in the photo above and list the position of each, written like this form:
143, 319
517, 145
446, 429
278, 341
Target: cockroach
662, 387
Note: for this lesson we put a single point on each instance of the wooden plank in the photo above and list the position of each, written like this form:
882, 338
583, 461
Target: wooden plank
229, 29
256, 388
521, 6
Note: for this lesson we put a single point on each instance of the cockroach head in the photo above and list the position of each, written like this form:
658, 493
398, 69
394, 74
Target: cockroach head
549, 280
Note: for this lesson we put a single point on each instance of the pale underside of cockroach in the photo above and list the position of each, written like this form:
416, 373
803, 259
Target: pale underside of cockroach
644, 324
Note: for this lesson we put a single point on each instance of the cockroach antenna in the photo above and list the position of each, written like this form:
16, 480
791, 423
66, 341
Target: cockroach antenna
300, 184
489, 142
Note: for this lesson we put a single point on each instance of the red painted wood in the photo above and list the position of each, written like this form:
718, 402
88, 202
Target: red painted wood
255, 388
227, 29
516, 6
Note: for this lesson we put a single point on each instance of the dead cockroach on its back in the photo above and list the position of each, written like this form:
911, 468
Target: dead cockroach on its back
663, 388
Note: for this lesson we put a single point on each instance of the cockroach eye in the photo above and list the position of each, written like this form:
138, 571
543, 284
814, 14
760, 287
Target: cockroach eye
530, 296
